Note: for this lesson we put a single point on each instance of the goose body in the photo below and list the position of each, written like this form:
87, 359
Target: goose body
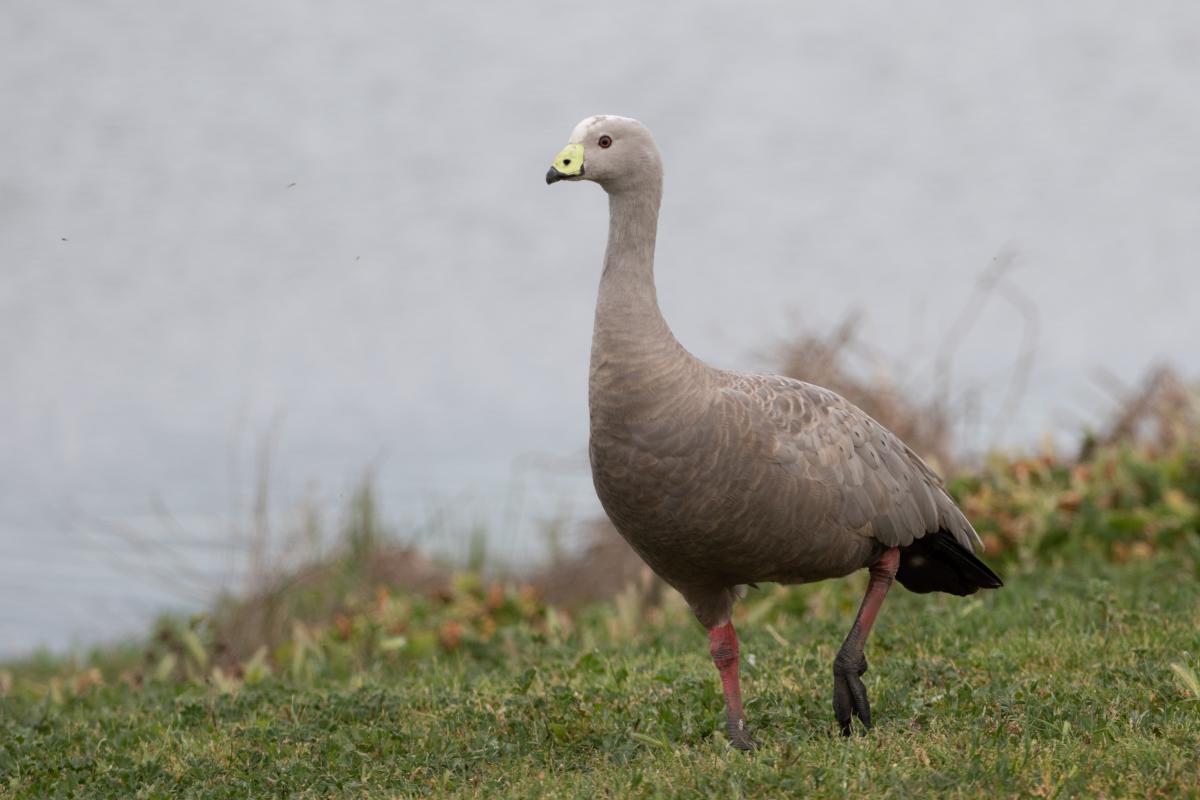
751, 478
720, 479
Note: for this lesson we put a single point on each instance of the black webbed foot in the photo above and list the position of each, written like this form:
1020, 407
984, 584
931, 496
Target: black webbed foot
849, 694
739, 735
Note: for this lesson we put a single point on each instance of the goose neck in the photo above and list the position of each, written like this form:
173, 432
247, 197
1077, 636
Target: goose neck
627, 293
639, 370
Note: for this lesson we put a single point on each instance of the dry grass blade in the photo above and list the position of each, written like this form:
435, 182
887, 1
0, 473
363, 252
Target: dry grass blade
1159, 414
1187, 677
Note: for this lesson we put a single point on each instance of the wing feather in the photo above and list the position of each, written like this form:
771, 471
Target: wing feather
857, 470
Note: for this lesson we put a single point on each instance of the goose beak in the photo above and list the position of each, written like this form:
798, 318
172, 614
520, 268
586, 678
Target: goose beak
567, 165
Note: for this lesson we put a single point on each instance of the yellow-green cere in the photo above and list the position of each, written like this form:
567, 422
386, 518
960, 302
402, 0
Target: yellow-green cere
570, 160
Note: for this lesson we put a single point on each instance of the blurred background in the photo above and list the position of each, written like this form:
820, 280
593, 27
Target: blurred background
252, 253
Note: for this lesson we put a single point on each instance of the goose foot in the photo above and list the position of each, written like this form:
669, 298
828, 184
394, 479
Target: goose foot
739, 735
849, 694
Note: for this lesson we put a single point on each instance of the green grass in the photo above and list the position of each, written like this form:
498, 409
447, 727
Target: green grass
1076, 681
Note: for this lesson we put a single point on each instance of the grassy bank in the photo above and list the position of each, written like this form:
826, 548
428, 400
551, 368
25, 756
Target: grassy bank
1072, 681
373, 672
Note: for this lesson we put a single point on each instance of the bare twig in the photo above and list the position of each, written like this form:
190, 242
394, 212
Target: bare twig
1018, 379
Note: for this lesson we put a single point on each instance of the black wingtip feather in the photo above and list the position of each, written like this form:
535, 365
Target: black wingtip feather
938, 563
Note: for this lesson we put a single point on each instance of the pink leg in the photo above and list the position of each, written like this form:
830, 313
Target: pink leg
849, 694
723, 645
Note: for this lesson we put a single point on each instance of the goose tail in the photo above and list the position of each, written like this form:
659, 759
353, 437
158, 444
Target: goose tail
938, 563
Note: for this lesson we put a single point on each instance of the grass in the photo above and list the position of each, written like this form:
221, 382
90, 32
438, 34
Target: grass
1077, 680
1081, 678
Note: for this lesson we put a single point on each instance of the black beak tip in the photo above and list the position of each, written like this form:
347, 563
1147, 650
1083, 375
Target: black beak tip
553, 176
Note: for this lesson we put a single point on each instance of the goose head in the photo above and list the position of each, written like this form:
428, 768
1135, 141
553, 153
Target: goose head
616, 152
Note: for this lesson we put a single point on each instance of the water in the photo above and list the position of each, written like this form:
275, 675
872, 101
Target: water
222, 219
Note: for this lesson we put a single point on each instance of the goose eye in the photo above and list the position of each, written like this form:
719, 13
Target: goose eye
605, 141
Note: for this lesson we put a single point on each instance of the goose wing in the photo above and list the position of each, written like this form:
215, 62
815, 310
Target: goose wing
873, 482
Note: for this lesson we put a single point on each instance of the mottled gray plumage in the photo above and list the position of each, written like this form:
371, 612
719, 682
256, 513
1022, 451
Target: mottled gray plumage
748, 478
721, 479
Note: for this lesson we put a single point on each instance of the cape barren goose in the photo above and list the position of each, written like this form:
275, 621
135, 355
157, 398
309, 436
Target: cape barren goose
722, 479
